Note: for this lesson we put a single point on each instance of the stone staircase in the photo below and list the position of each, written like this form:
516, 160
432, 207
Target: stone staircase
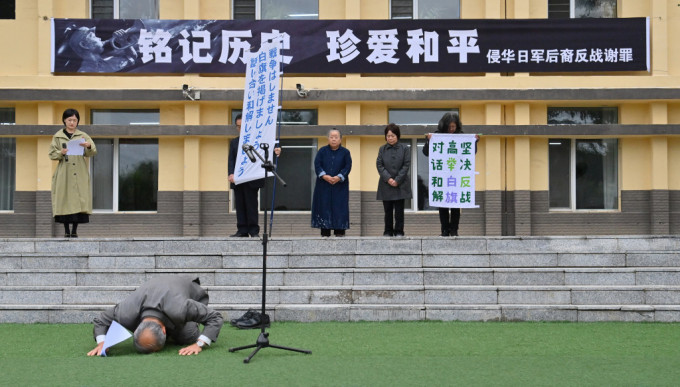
618, 278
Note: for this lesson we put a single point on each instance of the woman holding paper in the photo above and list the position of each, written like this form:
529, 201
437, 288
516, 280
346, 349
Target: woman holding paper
449, 123
71, 192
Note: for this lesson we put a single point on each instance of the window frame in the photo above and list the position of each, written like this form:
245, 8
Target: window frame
116, 9
572, 178
12, 189
414, 9
258, 12
572, 10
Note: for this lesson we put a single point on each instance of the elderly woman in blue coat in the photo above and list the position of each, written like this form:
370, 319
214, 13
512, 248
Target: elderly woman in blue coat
330, 204
393, 164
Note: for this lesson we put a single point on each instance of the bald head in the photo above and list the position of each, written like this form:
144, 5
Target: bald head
149, 336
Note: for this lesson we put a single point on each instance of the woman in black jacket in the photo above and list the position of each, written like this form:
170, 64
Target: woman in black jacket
393, 164
449, 123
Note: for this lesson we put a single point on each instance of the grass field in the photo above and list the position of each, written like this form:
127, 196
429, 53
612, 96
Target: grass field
360, 354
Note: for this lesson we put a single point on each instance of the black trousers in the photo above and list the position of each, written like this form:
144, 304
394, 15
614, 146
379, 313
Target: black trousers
245, 203
394, 216
449, 223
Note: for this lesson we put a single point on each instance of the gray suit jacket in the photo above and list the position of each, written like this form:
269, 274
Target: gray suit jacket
176, 300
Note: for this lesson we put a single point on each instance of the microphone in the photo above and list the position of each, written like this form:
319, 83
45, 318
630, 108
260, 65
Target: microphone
63, 146
249, 152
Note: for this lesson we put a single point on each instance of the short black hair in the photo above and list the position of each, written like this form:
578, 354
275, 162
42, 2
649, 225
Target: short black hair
238, 117
69, 113
392, 127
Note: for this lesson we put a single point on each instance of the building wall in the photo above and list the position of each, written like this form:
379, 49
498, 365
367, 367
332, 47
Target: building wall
509, 110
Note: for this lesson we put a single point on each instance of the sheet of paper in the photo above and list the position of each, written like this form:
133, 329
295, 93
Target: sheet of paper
115, 335
74, 148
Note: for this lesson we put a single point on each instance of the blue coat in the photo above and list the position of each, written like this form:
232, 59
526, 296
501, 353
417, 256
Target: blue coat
330, 205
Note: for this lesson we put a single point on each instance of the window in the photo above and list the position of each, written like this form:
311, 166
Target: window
583, 116
296, 168
7, 116
275, 9
124, 9
8, 9
417, 116
8, 156
125, 171
125, 117
565, 9
583, 174
425, 9
291, 116
419, 161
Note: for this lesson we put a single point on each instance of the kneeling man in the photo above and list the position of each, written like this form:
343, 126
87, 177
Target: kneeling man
165, 306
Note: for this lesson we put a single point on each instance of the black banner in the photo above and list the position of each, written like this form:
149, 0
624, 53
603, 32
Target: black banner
352, 46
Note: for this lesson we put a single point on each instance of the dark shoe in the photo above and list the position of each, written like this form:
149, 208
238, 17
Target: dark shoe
455, 233
325, 232
238, 235
246, 316
339, 233
398, 234
387, 234
67, 235
258, 320
73, 235
445, 233
256, 235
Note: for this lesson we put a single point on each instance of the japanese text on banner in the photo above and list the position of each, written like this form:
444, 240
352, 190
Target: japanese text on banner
260, 110
452, 170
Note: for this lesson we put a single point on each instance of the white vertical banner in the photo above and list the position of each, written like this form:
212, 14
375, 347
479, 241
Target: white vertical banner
452, 170
260, 110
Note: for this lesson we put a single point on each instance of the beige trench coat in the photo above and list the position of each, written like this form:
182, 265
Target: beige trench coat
71, 190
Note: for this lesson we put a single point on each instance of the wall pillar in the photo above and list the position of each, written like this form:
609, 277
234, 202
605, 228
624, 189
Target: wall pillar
353, 144
522, 194
191, 201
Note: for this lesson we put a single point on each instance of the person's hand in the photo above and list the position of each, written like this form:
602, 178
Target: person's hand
193, 349
231, 178
328, 179
97, 351
429, 136
85, 144
392, 182
277, 152
477, 137
64, 151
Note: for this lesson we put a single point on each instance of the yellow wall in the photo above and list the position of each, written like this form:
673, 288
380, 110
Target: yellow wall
498, 158
673, 162
635, 170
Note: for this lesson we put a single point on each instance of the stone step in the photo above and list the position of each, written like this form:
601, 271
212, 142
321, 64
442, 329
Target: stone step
351, 245
246, 261
354, 295
60, 314
351, 276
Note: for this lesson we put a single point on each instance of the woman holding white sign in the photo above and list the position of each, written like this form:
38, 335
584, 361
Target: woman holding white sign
394, 186
449, 123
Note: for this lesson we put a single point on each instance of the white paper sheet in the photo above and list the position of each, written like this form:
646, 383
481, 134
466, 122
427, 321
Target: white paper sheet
74, 149
115, 335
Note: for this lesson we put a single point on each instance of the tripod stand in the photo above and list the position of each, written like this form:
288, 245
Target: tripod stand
263, 338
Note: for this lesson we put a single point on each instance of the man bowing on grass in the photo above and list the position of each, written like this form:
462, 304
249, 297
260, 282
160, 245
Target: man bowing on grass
165, 306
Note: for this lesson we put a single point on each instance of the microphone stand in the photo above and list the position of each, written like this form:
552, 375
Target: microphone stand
263, 338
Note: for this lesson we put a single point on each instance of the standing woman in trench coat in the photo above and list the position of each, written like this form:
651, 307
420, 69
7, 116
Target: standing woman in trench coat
71, 190
393, 164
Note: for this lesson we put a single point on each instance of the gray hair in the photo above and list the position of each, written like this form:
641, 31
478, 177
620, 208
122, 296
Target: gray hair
153, 328
335, 130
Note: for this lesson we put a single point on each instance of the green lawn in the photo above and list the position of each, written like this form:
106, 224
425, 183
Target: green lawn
360, 354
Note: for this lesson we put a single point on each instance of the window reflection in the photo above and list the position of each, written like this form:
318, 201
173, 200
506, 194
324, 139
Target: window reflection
138, 175
8, 156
